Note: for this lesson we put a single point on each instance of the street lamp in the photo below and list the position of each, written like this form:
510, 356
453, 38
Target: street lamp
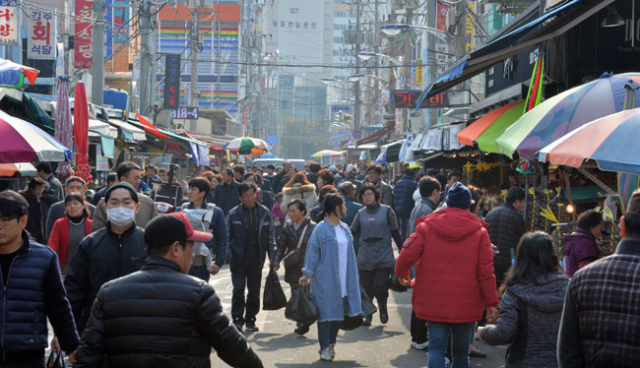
355, 78
368, 55
393, 30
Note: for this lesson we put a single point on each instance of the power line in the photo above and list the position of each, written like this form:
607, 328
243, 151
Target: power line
331, 66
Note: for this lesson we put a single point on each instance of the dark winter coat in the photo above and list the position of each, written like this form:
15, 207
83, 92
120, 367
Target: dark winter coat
227, 196
237, 234
102, 256
36, 217
506, 228
160, 317
52, 193
529, 322
34, 293
288, 242
403, 196
579, 247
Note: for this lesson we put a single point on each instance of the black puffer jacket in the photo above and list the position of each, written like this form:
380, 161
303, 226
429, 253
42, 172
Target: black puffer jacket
102, 256
529, 322
505, 230
160, 317
288, 241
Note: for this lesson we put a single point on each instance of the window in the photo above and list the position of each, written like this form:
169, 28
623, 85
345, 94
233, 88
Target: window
275, 23
339, 27
297, 24
306, 25
282, 23
313, 25
290, 24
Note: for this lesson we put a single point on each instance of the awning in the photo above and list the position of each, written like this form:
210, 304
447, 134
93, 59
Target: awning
488, 128
557, 22
24, 169
128, 132
375, 136
102, 128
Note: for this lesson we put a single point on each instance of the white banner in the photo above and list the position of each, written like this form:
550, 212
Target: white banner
433, 141
9, 29
41, 39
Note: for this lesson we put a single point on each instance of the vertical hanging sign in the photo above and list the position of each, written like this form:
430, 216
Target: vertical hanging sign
172, 81
41, 39
469, 31
9, 30
442, 11
83, 40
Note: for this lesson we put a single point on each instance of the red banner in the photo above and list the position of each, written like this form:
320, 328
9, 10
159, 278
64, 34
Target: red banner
442, 11
83, 34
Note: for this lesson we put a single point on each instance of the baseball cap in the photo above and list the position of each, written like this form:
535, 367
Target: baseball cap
167, 229
350, 168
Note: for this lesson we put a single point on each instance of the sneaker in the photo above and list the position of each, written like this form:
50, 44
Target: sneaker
238, 323
422, 346
384, 318
367, 321
251, 326
325, 355
332, 348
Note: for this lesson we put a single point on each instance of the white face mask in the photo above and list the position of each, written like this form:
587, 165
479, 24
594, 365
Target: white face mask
121, 216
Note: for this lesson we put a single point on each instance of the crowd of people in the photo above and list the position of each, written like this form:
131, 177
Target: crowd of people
114, 267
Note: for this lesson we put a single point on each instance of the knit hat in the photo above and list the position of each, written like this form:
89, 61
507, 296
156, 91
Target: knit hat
459, 196
633, 208
119, 185
333, 169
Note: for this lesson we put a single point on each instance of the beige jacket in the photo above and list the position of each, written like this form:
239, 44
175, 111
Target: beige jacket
145, 214
306, 193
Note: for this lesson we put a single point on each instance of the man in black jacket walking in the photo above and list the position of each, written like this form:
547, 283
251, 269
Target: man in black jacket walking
31, 292
111, 252
227, 192
159, 316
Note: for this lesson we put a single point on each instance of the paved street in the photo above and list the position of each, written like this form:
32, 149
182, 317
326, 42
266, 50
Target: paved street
375, 346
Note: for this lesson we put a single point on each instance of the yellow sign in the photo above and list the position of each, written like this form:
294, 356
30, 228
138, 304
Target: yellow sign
469, 31
419, 72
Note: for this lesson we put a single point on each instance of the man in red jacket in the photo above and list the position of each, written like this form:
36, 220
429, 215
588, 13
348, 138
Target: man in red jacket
454, 276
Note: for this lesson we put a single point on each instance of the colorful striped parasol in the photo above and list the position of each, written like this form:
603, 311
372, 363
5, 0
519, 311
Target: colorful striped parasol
568, 111
610, 141
326, 153
21, 141
488, 128
247, 145
12, 74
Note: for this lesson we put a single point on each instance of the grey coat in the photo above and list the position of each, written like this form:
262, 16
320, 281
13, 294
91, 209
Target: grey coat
529, 321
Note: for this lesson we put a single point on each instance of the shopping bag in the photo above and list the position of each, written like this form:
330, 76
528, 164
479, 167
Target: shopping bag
368, 308
56, 360
395, 285
273, 297
302, 307
351, 322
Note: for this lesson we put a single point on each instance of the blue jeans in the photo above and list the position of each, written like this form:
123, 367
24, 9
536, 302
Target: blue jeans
328, 333
438, 335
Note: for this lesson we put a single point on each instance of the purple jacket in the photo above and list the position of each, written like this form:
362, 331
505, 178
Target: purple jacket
579, 246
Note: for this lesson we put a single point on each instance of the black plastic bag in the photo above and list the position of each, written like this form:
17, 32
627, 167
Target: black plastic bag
368, 308
56, 360
351, 323
395, 285
273, 298
302, 307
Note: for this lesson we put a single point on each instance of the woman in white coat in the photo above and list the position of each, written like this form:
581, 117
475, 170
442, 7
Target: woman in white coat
299, 188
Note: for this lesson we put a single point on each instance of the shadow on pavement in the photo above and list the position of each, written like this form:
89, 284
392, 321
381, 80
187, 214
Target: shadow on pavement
373, 334
319, 363
274, 341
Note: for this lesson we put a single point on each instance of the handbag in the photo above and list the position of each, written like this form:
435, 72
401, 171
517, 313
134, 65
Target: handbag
56, 360
292, 259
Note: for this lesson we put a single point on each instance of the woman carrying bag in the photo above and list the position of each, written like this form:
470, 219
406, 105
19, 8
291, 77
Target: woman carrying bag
292, 246
331, 269
377, 224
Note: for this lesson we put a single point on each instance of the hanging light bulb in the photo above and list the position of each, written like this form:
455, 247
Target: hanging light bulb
570, 208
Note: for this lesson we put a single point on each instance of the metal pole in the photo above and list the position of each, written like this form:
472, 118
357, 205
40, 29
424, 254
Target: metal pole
406, 69
194, 56
433, 68
97, 67
219, 64
356, 113
145, 59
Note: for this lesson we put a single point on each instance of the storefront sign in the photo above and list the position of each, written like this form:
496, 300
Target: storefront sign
442, 11
185, 113
102, 164
409, 99
418, 79
433, 142
172, 81
41, 40
469, 30
273, 139
9, 30
83, 41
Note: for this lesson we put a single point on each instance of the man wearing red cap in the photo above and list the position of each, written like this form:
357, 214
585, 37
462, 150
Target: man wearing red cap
160, 316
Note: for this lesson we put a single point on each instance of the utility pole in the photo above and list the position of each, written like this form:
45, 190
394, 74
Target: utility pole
376, 48
146, 59
433, 66
357, 107
97, 66
406, 69
194, 56
219, 64
391, 108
